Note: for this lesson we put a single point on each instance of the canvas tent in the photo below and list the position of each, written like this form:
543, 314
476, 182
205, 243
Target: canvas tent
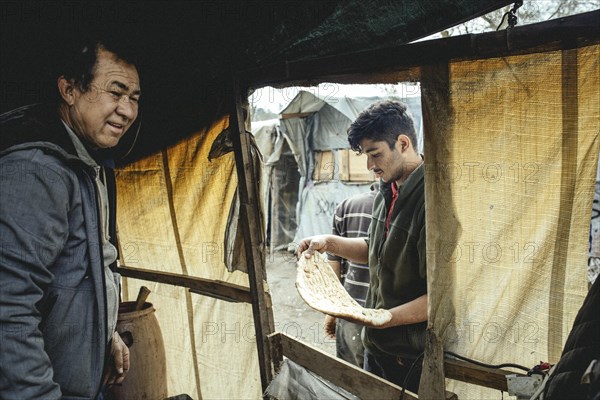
484, 96
309, 172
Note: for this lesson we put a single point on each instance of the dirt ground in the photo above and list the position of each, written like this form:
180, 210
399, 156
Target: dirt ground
291, 314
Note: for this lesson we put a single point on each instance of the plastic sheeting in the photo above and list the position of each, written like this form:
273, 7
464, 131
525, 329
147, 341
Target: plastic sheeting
511, 155
594, 260
294, 382
283, 195
318, 204
172, 216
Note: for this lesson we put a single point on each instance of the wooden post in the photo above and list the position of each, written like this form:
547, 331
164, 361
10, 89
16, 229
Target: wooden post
253, 235
433, 383
435, 84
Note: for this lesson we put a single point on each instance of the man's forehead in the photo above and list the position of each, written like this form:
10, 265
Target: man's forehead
111, 73
369, 146
131, 86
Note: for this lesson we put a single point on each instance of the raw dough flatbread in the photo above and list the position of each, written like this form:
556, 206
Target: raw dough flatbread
321, 289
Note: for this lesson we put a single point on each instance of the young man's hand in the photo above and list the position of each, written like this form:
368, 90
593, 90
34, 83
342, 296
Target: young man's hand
329, 326
309, 245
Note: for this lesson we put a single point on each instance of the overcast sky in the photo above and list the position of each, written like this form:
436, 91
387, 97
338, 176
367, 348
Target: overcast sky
275, 100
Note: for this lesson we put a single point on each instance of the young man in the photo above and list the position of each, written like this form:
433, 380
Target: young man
351, 219
58, 293
395, 248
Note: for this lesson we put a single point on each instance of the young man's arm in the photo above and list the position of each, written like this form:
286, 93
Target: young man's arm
413, 312
353, 249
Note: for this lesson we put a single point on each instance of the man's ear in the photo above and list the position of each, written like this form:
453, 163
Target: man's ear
65, 88
403, 142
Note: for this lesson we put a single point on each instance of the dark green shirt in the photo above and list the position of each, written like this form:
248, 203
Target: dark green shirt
397, 264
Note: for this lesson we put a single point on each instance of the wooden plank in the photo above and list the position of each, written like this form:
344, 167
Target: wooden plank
432, 385
470, 373
254, 241
207, 287
339, 372
295, 115
343, 158
325, 166
357, 168
276, 350
353, 167
435, 84
551, 35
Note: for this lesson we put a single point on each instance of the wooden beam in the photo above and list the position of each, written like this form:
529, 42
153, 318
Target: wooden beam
551, 35
276, 350
254, 242
295, 115
339, 372
207, 287
470, 373
435, 84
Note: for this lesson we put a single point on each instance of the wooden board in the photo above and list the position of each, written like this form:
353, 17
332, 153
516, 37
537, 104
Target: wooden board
353, 167
325, 166
207, 287
254, 240
470, 373
339, 372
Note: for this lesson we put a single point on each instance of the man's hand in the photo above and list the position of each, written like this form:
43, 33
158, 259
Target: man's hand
329, 326
119, 353
320, 243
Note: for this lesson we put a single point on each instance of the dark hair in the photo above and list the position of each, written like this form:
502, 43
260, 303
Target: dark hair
80, 61
382, 121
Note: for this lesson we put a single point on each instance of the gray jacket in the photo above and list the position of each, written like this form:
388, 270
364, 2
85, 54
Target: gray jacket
53, 325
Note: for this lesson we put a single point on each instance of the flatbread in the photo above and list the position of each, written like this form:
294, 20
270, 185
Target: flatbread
321, 289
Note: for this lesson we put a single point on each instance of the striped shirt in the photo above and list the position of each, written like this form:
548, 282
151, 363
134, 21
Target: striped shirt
352, 219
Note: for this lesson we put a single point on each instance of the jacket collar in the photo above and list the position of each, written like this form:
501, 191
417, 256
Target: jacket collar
407, 188
39, 126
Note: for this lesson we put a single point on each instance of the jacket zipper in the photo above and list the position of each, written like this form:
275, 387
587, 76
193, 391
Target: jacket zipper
100, 213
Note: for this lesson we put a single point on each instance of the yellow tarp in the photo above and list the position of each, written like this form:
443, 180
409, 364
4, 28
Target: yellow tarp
511, 146
172, 214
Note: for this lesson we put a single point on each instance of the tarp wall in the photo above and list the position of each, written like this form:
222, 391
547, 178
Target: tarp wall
319, 202
512, 149
172, 214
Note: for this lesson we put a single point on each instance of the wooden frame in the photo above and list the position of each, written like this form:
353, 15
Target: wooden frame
463, 371
339, 372
254, 242
207, 287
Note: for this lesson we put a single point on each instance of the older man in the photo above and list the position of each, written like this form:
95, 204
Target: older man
58, 291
